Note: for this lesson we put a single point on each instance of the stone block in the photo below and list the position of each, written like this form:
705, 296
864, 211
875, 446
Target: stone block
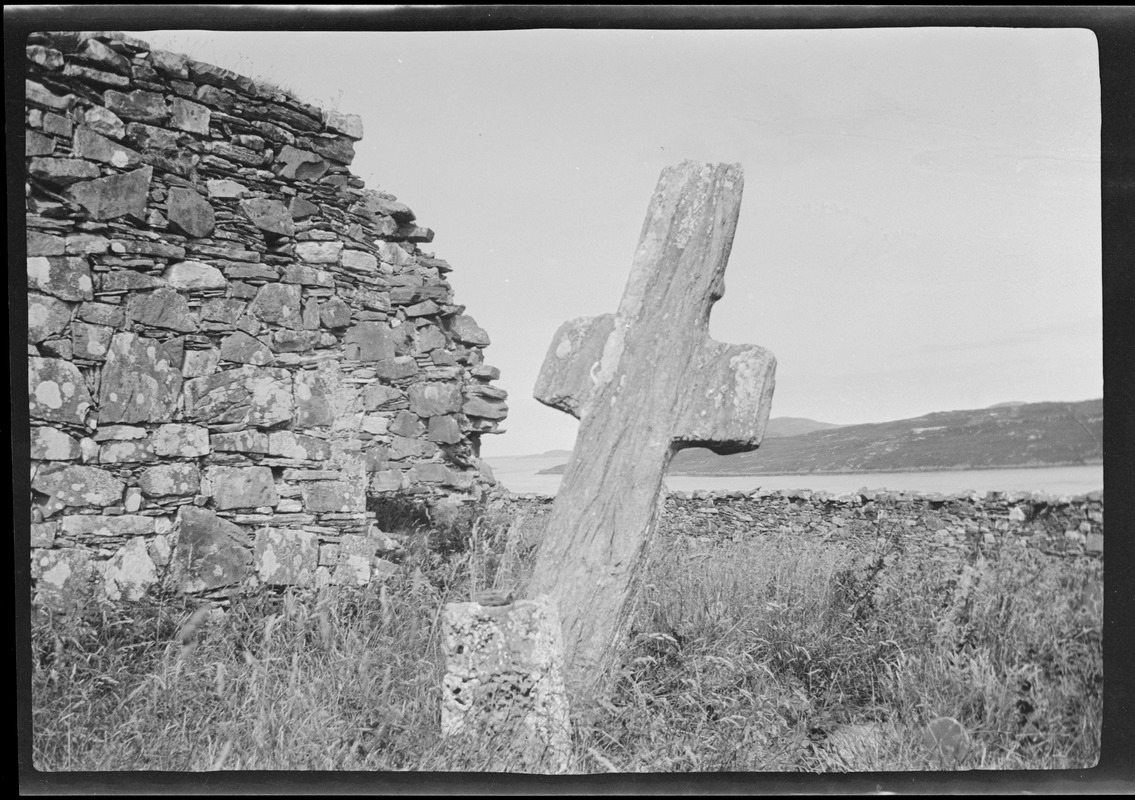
299, 164
403, 447
90, 342
377, 395
286, 557
130, 452
270, 216
63, 578
114, 196
130, 572
188, 116
278, 304
242, 487
353, 560
57, 391
342, 496
125, 280
295, 445
387, 480
350, 125
95, 147
180, 440
167, 480
78, 525
431, 473
223, 188
308, 276
406, 423
246, 395
199, 363
190, 213
444, 430
39, 95
49, 444
335, 314
43, 533
211, 552
358, 260
65, 277
47, 316
59, 172
504, 682
103, 120
485, 408
433, 399
45, 244
112, 316
80, 486
397, 368
313, 407
240, 442
465, 330
138, 105
319, 252
36, 144
140, 381
369, 341
241, 348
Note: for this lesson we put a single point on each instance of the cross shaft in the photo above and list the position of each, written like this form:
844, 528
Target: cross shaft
645, 382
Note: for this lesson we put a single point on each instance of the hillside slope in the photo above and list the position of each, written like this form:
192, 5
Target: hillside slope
1032, 434
1019, 435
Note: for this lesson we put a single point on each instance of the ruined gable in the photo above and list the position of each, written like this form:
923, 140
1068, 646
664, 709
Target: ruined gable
226, 327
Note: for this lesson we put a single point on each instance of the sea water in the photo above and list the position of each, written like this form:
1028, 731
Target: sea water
521, 475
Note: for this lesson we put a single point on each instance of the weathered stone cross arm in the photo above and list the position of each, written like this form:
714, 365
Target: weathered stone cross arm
727, 392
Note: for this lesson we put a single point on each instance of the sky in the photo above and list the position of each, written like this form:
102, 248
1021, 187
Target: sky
920, 227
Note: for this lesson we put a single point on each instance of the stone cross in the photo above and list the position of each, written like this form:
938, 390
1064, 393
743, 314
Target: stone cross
644, 382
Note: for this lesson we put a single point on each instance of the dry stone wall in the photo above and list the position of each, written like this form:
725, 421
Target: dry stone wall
232, 343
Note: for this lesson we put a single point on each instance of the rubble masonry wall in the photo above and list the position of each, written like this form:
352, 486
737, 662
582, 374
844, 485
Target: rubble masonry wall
232, 343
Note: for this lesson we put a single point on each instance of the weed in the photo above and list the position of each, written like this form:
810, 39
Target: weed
770, 651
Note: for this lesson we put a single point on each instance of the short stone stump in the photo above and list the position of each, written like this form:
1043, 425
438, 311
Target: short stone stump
503, 692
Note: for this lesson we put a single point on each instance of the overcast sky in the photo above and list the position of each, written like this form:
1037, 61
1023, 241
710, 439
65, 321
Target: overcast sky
920, 229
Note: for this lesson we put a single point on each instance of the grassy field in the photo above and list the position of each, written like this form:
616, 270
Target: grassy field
762, 653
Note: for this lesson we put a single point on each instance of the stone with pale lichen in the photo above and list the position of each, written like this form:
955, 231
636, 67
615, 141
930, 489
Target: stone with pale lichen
242, 487
170, 479
247, 395
56, 391
65, 277
181, 440
140, 381
63, 577
353, 560
504, 682
49, 444
278, 304
286, 557
129, 572
80, 486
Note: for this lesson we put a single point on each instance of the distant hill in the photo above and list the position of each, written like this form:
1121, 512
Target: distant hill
794, 426
1018, 435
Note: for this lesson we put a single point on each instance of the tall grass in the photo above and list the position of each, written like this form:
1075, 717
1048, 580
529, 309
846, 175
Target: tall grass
773, 652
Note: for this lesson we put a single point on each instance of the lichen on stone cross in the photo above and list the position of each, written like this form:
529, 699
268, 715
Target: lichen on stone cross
644, 382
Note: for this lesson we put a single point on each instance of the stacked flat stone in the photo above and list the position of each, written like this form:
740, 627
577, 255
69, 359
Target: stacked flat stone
232, 343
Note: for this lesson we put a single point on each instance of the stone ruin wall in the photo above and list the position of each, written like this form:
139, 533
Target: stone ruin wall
232, 343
